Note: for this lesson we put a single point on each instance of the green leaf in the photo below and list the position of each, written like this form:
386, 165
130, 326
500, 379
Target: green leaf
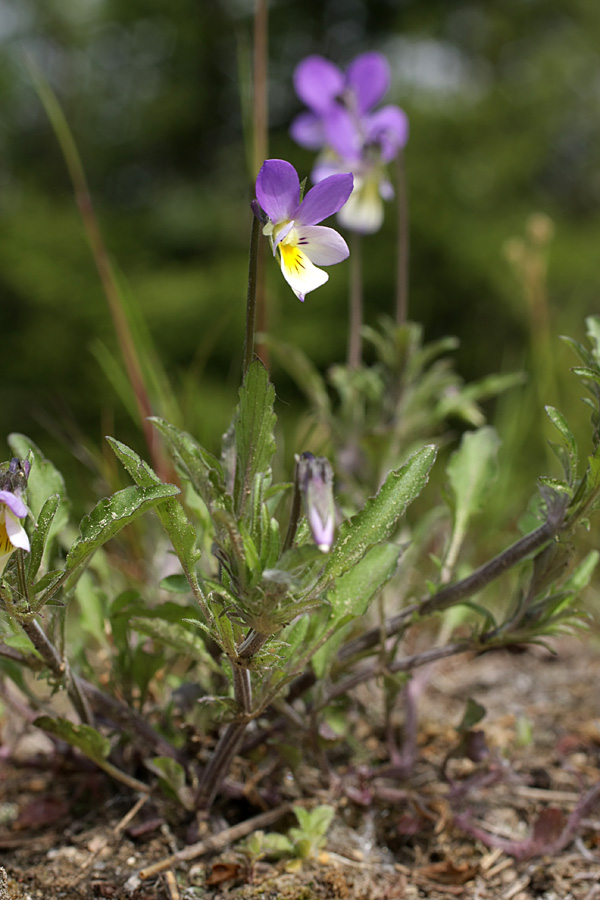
112, 514
351, 596
93, 744
40, 535
471, 471
44, 480
203, 470
254, 426
559, 421
473, 714
380, 516
171, 514
189, 644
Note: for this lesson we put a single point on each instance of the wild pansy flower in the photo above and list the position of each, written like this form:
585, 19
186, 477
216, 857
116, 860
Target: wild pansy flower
351, 136
12, 510
292, 224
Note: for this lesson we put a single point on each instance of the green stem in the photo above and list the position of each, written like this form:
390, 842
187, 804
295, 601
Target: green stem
251, 297
59, 668
260, 131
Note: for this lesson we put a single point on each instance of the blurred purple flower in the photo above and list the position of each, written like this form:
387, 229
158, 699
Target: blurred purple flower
351, 137
292, 224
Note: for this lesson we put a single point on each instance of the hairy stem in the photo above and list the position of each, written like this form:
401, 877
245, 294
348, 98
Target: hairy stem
454, 593
59, 668
251, 297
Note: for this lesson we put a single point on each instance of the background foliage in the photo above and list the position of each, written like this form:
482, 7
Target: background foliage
504, 107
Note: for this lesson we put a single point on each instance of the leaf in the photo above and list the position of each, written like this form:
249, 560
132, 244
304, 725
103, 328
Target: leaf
44, 480
187, 643
380, 515
254, 426
471, 471
559, 421
171, 514
93, 744
203, 470
112, 514
40, 535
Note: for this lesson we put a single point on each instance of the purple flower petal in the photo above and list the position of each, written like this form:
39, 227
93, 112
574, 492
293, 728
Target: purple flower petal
369, 77
308, 130
278, 189
342, 132
387, 127
15, 505
318, 82
323, 246
324, 199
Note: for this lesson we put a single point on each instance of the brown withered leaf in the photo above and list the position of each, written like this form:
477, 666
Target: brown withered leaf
221, 872
448, 872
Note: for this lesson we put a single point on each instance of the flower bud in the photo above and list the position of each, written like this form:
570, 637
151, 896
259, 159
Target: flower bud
315, 483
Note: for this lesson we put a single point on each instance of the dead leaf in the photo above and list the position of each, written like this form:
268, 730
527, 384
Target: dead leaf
221, 872
448, 872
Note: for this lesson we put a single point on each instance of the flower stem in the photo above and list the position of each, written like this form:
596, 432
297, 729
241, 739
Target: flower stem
402, 255
260, 120
59, 668
251, 297
356, 304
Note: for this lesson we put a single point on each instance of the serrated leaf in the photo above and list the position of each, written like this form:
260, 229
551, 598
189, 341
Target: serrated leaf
379, 518
112, 514
93, 744
254, 427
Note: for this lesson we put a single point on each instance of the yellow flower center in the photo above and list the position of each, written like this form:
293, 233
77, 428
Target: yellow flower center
292, 258
5, 543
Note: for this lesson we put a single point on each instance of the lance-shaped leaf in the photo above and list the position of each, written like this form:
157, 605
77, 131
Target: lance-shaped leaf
91, 743
181, 532
202, 469
351, 596
471, 472
254, 426
40, 536
112, 514
377, 521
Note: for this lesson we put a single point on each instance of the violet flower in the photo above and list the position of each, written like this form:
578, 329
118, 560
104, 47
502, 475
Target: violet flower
351, 136
292, 227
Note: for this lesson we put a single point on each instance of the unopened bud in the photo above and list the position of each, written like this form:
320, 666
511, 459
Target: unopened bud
315, 482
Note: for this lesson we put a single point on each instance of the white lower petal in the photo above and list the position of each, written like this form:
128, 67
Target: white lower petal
301, 275
363, 212
16, 533
323, 246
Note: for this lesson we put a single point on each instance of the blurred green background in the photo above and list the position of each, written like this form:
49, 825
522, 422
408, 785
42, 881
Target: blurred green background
504, 104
